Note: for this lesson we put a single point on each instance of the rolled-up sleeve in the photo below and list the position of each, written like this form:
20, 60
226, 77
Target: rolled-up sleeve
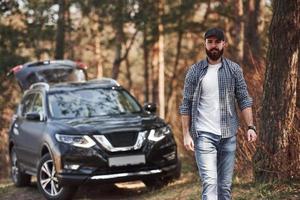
188, 91
241, 92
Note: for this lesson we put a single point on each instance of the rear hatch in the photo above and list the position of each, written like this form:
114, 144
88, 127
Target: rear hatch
49, 71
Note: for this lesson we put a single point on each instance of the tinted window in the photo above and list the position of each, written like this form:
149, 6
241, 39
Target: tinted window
38, 104
56, 75
27, 104
91, 103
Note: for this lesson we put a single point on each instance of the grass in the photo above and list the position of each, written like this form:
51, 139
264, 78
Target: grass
190, 190
267, 191
188, 187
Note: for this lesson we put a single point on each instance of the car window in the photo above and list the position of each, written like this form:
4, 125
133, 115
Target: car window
56, 75
37, 105
91, 103
27, 104
54, 72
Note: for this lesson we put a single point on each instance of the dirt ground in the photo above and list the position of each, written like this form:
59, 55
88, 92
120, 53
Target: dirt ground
119, 191
186, 188
109, 192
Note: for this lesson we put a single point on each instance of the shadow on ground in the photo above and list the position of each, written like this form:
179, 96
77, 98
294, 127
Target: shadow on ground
129, 190
121, 191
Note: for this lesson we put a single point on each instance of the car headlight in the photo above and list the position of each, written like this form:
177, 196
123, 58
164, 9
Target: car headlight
75, 140
158, 134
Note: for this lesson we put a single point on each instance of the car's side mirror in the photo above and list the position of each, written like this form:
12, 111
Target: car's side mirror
34, 116
150, 107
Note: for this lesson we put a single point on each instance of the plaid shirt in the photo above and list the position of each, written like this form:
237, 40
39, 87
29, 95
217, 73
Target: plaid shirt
232, 88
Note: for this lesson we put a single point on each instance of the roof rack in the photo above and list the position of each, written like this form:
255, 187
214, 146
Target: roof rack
108, 81
40, 85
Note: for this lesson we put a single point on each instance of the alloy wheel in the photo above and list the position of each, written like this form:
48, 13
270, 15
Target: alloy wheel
48, 179
14, 167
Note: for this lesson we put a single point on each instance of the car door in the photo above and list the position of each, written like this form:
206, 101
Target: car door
31, 131
21, 143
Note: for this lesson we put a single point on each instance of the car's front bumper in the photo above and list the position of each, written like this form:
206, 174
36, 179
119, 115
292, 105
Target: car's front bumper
78, 179
161, 160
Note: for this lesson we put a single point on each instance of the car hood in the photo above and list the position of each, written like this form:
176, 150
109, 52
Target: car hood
108, 124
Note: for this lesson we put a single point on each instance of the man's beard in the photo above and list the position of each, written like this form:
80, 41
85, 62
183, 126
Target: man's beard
214, 54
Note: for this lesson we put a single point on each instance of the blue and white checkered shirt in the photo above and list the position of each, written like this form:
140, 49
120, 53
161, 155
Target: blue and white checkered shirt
232, 88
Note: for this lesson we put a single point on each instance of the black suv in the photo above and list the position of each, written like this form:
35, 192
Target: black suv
68, 134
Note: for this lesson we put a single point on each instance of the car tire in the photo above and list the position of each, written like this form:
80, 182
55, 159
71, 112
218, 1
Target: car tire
154, 184
48, 183
158, 183
177, 172
175, 175
19, 178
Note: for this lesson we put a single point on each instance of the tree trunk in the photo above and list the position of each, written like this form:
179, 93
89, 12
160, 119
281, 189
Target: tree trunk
60, 34
118, 51
238, 31
128, 74
146, 64
10, 95
68, 39
274, 157
252, 46
161, 61
172, 86
298, 87
154, 73
119, 57
119, 38
97, 41
98, 55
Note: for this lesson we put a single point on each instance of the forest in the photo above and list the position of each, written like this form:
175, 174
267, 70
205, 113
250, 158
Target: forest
149, 45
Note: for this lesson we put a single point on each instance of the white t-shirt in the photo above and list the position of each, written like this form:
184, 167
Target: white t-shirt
208, 118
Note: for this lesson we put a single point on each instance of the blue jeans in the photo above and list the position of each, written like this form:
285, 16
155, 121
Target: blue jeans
215, 158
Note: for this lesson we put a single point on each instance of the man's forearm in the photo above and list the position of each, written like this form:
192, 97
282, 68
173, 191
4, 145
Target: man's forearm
185, 119
247, 115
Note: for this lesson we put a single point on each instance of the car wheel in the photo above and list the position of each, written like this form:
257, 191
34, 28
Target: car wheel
158, 183
18, 177
177, 173
48, 183
154, 184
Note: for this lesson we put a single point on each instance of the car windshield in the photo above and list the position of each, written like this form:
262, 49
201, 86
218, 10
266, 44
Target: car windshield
94, 102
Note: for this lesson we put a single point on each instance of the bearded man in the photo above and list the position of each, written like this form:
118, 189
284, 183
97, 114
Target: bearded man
209, 118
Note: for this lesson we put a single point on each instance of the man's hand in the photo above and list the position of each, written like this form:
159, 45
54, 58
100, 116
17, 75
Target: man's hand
188, 142
251, 135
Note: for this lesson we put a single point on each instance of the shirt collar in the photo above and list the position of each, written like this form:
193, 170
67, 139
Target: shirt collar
205, 62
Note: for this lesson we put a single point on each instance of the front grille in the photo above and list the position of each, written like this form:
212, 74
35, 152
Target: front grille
122, 139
